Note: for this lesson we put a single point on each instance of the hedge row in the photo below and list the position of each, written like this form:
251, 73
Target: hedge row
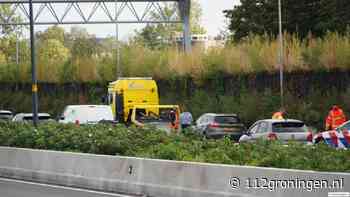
150, 143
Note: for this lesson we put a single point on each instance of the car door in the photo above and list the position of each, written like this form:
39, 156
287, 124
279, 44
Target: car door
253, 131
205, 123
200, 126
262, 131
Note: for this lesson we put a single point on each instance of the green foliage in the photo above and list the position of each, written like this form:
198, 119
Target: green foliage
6, 14
158, 36
52, 55
84, 58
54, 32
148, 142
298, 16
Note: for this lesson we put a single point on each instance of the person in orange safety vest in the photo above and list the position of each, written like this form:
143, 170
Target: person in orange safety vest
279, 115
174, 118
335, 118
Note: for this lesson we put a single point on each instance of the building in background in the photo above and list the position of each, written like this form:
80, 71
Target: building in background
201, 41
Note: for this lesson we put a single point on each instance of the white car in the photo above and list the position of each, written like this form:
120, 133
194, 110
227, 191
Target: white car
26, 117
86, 114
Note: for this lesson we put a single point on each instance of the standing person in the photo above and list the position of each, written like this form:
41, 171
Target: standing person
335, 118
186, 120
279, 115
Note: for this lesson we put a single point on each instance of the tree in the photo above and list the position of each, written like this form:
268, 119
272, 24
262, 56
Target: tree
159, 35
84, 51
9, 34
52, 55
299, 16
6, 12
54, 32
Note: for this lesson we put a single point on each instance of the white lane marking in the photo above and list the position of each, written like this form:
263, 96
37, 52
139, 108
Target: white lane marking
339, 194
63, 187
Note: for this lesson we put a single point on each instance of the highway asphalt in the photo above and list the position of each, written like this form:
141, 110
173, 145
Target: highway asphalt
16, 188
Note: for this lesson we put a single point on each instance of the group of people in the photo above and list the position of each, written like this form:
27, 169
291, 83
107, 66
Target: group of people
335, 118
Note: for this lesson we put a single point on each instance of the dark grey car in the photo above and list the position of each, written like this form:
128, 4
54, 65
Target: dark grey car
216, 126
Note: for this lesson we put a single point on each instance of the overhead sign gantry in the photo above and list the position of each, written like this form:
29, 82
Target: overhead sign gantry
56, 12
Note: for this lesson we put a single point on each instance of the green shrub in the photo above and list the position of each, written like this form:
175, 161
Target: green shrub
148, 142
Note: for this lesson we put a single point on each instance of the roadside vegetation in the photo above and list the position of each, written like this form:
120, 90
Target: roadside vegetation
77, 56
150, 143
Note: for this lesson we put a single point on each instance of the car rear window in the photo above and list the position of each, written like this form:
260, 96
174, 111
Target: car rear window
226, 119
289, 127
5, 114
40, 118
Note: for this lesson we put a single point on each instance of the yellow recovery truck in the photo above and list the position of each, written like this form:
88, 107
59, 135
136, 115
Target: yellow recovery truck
136, 100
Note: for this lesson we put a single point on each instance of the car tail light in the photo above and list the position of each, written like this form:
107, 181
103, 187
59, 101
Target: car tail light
272, 136
77, 122
309, 137
214, 125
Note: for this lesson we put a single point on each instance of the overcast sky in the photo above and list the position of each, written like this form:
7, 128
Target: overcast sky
213, 20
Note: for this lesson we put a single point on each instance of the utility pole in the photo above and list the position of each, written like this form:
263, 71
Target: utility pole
280, 55
118, 67
33, 62
17, 49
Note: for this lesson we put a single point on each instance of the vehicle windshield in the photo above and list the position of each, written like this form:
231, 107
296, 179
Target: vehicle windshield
226, 119
165, 115
345, 127
289, 127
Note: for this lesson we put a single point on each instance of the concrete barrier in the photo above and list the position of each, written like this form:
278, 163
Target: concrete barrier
160, 178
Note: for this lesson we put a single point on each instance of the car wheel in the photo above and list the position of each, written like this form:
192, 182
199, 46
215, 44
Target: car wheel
205, 137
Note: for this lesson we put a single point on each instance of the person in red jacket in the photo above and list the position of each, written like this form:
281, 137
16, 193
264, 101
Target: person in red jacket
335, 118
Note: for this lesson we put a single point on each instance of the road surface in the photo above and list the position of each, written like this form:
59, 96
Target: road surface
16, 188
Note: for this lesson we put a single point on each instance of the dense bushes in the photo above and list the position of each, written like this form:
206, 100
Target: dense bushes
150, 143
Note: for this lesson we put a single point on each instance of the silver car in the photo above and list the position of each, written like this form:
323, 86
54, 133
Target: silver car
284, 130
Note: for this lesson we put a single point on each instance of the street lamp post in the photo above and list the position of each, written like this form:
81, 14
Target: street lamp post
118, 66
280, 54
33, 62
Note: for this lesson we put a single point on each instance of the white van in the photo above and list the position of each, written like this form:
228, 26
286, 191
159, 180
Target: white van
86, 114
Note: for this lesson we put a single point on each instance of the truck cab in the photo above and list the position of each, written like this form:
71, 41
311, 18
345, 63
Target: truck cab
125, 93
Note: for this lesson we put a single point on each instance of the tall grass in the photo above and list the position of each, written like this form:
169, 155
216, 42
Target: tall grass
255, 54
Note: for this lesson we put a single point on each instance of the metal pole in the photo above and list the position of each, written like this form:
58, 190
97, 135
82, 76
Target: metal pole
34, 79
118, 67
280, 55
17, 48
185, 9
